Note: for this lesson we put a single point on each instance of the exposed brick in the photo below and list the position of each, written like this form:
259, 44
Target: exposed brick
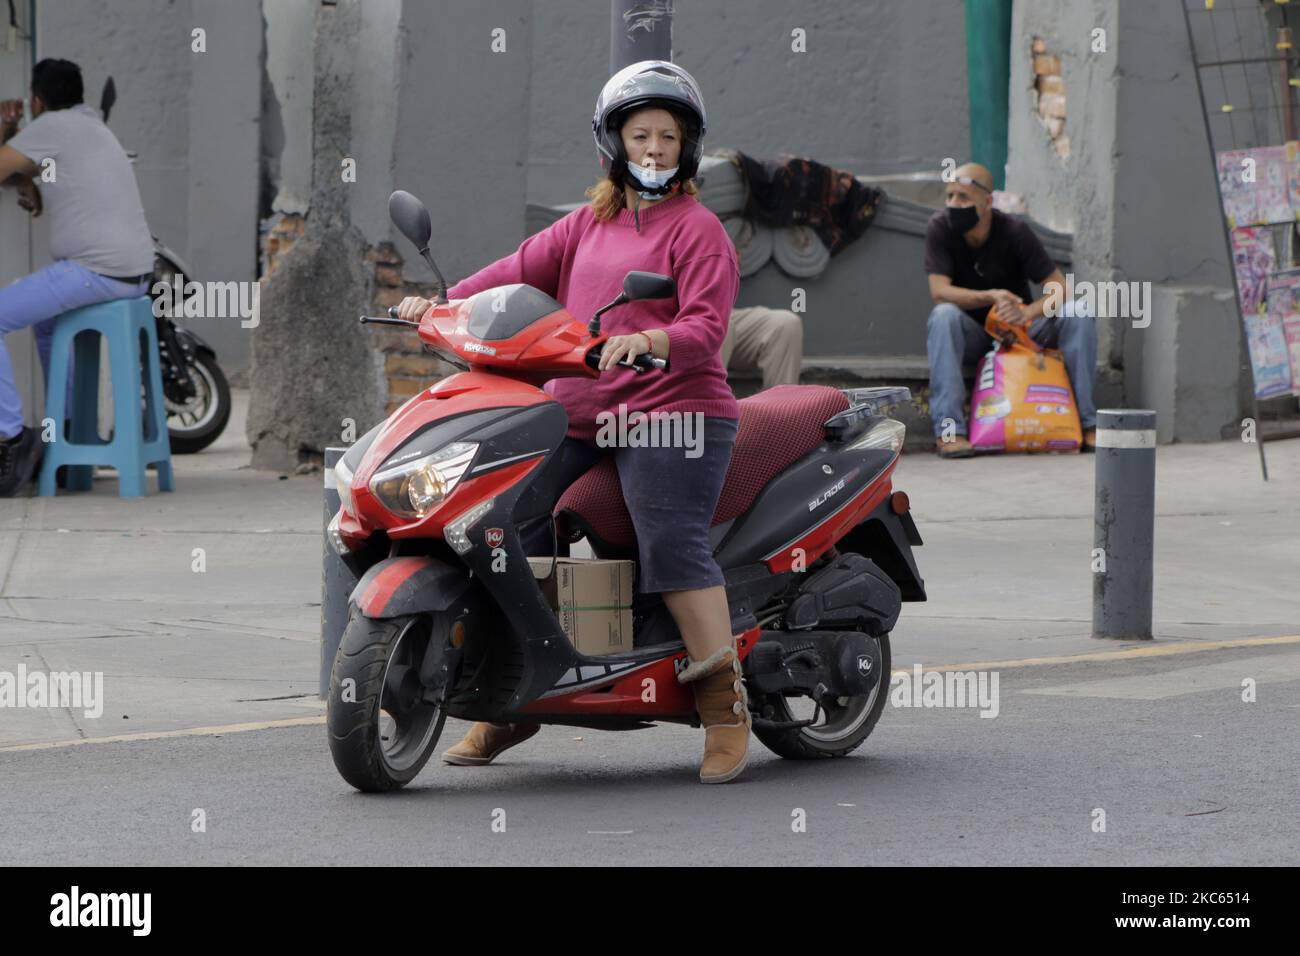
1052, 105
417, 365
1045, 65
1054, 126
1039, 45
1062, 145
404, 388
1051, 85
389, 339
385, 298
384, 253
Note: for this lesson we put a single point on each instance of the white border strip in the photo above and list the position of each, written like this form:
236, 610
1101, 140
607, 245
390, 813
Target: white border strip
1118, 438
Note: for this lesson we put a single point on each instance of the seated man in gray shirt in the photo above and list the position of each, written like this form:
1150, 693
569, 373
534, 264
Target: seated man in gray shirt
99, 239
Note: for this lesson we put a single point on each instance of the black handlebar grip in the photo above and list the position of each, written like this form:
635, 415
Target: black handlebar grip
392, 312
644, 362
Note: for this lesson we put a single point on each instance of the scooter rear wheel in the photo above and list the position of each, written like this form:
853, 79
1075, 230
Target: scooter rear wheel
381, 729
843, 727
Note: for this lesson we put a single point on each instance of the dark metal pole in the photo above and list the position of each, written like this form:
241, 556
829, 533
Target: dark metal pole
639, 30
1123, 540
336, 581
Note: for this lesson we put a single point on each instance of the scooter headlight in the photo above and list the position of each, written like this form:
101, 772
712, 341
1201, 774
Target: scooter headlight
414, 488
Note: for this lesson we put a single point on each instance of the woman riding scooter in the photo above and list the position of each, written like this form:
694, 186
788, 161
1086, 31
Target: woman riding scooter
649, 129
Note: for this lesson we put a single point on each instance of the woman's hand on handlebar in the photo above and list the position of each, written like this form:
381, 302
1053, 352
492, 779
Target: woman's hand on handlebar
412, 308
619, 347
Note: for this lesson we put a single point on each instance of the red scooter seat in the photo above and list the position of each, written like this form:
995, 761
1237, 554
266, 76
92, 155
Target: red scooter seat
778, 426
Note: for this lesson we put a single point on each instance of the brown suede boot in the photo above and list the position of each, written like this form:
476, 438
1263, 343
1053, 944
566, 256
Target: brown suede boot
484, 741
723, 707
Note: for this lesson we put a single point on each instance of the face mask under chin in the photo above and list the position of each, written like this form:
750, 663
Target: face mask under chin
654, 182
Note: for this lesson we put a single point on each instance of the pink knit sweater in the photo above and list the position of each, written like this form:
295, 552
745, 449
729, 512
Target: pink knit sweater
581, 263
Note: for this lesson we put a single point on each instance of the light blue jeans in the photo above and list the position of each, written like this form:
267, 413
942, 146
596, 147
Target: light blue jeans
954, 339
37, 300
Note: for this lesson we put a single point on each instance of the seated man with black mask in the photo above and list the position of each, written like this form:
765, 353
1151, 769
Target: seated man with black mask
978, 258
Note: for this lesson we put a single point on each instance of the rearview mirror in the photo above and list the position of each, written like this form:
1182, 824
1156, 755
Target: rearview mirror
411, 217
107, 98
648, 285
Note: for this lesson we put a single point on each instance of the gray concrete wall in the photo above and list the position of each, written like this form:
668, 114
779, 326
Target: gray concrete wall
225, 102
1169, 225
22, 239
1185, 377
380, 50
881, 88
462, 140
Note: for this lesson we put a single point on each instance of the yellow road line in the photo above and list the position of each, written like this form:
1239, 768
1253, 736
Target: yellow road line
1155, 650
164, 734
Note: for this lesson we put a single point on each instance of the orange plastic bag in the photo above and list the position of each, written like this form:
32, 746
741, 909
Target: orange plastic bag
1022, 399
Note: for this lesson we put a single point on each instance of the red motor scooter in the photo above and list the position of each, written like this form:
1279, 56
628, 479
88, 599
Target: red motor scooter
447, 617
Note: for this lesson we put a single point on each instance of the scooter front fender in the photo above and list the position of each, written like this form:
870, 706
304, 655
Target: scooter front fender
409, 585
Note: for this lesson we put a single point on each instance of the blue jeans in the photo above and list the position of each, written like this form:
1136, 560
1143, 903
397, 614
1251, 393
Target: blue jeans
954, 339
37, 300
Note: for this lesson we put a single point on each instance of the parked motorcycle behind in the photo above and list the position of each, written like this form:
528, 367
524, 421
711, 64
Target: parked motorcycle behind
448, 619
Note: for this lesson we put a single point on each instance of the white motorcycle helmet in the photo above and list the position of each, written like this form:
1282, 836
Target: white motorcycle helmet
649, 83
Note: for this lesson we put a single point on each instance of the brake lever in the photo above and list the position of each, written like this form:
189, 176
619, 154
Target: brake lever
393, 319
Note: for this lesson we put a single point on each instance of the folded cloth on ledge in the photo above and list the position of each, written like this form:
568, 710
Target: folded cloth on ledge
793, 191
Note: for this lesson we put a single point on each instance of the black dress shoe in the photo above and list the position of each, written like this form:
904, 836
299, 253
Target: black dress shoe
19, 457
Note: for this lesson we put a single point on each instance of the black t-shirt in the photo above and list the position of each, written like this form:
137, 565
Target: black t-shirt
1010, 258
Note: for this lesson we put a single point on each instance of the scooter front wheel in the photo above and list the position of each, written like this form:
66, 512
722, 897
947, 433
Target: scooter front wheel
382, 729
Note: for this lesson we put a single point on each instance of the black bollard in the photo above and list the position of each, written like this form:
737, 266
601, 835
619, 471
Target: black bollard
1123, 541
336, 581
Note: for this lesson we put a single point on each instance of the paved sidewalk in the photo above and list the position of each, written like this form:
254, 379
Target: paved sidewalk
92, 582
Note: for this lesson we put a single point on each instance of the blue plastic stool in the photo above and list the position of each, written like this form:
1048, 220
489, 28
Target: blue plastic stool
139, 427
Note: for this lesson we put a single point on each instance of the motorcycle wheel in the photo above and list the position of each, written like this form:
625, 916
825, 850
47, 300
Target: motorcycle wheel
842, 729
200, 421
381, 730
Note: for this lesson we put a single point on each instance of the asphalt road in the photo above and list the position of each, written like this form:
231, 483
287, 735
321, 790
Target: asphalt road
1185, 771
